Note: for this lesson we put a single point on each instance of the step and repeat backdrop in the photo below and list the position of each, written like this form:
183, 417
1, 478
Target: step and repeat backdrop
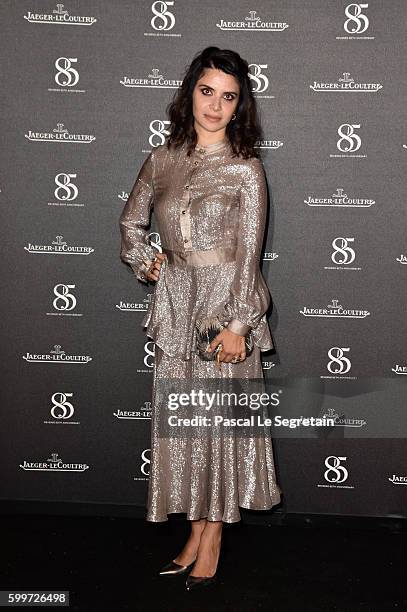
85, 91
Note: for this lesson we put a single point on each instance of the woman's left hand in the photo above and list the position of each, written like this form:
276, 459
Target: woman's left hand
233, 346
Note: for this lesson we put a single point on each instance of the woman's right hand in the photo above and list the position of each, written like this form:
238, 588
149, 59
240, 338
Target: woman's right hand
154, 273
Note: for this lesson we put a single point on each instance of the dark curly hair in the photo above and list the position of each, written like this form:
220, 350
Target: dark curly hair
243, 132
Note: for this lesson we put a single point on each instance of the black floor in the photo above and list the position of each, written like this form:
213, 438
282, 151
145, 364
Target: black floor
112, 563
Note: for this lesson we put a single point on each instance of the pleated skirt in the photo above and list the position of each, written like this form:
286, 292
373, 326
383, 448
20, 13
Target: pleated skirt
207, 476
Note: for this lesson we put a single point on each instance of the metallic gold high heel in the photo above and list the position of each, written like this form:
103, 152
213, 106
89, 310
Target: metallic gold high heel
175, 569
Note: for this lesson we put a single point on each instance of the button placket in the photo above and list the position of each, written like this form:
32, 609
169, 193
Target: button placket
185, 214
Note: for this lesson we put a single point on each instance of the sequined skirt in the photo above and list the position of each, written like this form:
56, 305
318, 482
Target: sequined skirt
207, 477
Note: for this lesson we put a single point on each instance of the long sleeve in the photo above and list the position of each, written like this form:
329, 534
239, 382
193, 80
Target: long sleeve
134, 219
249, 295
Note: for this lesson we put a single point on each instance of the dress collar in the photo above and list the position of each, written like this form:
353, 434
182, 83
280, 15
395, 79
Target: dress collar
212, 148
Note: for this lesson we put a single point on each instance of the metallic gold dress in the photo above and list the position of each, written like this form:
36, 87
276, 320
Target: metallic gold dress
210, 210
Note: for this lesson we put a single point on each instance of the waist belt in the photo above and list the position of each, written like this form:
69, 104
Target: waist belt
183, 259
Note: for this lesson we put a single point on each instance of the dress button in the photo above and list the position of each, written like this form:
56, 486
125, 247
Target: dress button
196, 163
185, 239
186, 186
183, 212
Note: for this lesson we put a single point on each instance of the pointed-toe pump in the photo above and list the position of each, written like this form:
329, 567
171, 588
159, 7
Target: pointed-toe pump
193, 582
175, 569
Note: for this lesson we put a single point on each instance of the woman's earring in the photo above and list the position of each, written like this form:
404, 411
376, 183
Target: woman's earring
233, 117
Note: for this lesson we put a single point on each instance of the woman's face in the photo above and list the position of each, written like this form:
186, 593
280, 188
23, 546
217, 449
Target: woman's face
214, 100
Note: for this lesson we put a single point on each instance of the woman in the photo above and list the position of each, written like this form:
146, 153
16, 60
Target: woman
207, 187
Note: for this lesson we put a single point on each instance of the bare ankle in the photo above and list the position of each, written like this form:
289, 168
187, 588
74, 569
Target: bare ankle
197, 527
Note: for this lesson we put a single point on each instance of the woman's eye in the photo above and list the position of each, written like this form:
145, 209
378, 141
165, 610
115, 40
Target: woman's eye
229, 99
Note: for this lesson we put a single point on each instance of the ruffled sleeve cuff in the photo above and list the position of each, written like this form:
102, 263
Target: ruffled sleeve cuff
238, 327
141, 270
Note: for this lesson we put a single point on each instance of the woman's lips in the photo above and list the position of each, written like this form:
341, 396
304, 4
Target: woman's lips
210, 118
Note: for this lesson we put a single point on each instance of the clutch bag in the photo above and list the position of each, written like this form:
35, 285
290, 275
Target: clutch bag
207, 328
